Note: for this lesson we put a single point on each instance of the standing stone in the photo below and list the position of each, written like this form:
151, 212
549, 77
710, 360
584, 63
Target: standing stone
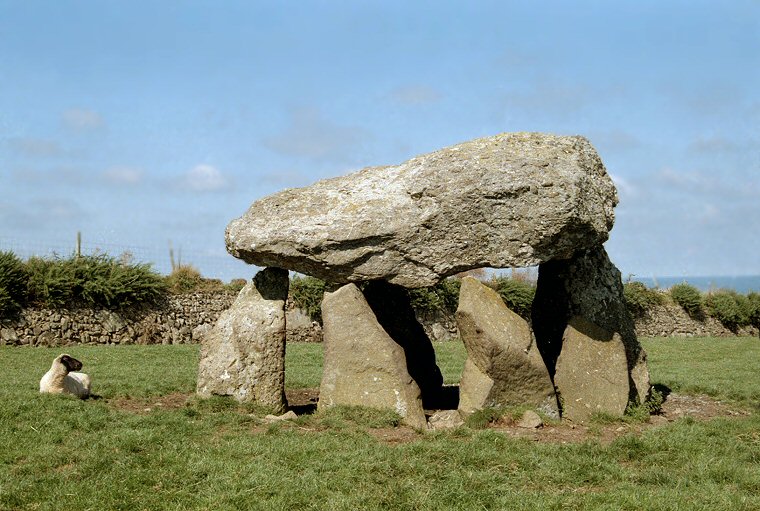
592, 372
503, 365
393, 310
363, 365
244, 354
510, 200
587, 285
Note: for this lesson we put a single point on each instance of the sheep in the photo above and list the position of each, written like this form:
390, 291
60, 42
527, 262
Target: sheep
61, 379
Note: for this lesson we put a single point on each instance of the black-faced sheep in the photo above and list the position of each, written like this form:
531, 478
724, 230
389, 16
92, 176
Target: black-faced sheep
62, 378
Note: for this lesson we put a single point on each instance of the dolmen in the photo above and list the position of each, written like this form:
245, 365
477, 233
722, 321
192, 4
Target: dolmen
511, 200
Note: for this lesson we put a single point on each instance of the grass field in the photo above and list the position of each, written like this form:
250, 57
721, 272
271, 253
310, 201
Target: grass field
127, 450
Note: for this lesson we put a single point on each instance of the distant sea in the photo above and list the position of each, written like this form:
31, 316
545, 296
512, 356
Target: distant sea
741, 283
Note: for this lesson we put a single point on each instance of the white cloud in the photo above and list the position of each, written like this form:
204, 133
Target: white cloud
415, 95
204, 178
35, 147
43, 212
311, 136
717, 184
549, 98
79, 119
623, 185
713, 144
123, 175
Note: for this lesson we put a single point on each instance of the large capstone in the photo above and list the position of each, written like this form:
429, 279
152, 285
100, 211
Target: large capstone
244, 354
363, 365
503, 365
512, 200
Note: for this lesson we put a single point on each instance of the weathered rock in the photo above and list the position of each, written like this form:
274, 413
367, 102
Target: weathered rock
300, 326
511, 200
503, 365
592, 372
445, 419
290, 415
587, 285
244, 354
363, 365
530, 420
393, 310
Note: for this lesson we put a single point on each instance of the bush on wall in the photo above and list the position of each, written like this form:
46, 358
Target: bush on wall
444, 296
13, 279
639, 298
92, 280
517, 294
753, 300
306, 293
689, 298
730, 308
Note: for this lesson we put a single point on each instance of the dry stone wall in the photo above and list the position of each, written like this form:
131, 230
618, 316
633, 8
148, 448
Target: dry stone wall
179, 320
171, 323
672, 321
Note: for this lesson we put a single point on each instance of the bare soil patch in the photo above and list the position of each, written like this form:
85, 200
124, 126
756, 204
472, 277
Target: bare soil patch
144, 405
675, 406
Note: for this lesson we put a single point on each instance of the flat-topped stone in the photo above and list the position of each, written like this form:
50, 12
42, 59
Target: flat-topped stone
511, 200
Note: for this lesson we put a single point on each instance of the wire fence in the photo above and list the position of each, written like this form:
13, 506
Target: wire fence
218, 264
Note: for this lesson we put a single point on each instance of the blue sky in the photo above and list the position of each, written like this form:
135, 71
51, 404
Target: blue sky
140, 123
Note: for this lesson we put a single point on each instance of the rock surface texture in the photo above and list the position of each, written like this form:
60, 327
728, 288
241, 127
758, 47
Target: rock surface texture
393, 310
244, 354
503, 365
587, 285
592, 372
363, 365
510, 200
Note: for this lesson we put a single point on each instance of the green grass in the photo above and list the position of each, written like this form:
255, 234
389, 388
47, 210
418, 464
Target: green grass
62, 453
724, 368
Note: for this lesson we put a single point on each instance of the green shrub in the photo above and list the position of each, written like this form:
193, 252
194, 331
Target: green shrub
13, 279
235, 285
753, 302
443, 297
729, 307
51, 282
306, 293
517, 294
689, 298
639, 298
184, 279
94, 280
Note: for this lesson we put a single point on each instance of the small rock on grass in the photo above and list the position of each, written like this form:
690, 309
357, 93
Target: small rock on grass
530, 420
445, 419
287, 416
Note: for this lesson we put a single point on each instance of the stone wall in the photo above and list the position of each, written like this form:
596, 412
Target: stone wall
183, 318
672, 320
171, 323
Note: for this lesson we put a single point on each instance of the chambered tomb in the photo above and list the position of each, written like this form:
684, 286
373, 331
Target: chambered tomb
511, 200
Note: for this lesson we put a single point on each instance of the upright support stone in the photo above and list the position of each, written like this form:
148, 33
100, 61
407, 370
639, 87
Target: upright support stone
363, 365
244, 354
393, 310
592, 372
503, 365
587, 285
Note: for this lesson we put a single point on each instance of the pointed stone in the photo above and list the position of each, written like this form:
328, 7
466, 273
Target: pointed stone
363, 365
587, 285
243, 355
592, 372
503, 365
393, 310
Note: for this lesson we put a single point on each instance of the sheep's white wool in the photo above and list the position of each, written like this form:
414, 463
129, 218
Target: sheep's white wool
60, 379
